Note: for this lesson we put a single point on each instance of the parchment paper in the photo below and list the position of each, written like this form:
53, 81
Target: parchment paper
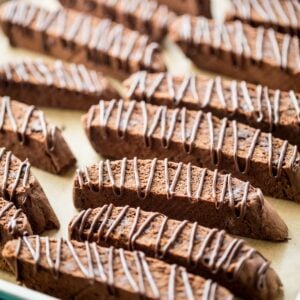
285, 257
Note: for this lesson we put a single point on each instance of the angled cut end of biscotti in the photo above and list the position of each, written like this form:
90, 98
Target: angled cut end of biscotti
180, 191
54, 84
179, 242
87, 271
13, 224
25, 131
20, 187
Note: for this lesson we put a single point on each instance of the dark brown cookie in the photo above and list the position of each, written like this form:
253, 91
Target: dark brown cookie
282, 15
25, 131
120, 129
182, 192
54, 84
145, 16
72, 36
255, 105
20, 187
87, 271
206, 252
257, 55
13, 224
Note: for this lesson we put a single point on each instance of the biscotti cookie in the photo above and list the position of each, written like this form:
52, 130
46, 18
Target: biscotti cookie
13, 224
182, 192
206, 252
192, 7
145, 16
19, 186
66, 34
257, 55
282, 15
260, 107
54, 84
120, 129
87, 271
25, 131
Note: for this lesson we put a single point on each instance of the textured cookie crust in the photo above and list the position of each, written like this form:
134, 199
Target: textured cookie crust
205, 252
257, 55
270, 110
72, 36
182, 192
54, 84
145, 16
120, 129
87, 271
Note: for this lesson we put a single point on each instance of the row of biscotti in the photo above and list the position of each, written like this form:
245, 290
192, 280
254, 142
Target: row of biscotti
248, 149
120, 129
75, 87
209, 253
24, 129
256, 55
84, 269
282, 15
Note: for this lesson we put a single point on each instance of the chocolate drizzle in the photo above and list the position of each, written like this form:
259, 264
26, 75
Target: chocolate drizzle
172, 123
267, 106
10, 181
98, 264
58, 74
280, 13
234, 37
103, 39
6, 112
217, 182
216, 252
137, 14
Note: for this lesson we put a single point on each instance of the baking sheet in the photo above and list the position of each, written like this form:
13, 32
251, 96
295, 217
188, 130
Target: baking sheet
285, 257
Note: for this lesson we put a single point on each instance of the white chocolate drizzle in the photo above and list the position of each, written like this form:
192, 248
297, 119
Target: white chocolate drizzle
99, 264
168, 122
104, 40
215, 181
216, 252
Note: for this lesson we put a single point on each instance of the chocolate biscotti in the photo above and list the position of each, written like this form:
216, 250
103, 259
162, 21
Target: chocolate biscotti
282, 15
255, 105
66, 34
192, 7
145, 16
25, 131
120, 129
19, 186
87, 271
257, 55
206, 252
13, 224
54, 84
182, 192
